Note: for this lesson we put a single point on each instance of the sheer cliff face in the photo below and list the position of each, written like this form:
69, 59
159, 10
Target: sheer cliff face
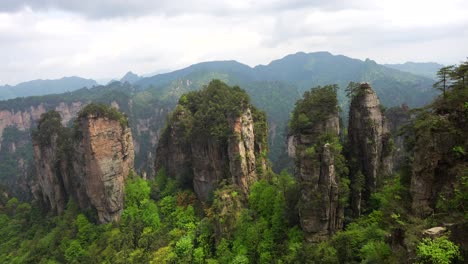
107, 157
91, 169
320, 213
205, 162
314, 145
430, 171
241, 150
25, 119
213, 136
146, 126
369, 146
21, 121
49, 186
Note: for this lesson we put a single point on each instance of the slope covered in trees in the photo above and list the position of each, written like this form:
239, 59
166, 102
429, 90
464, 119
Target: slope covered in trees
163, 221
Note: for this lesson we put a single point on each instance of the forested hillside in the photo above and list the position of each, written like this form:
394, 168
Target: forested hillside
346, 201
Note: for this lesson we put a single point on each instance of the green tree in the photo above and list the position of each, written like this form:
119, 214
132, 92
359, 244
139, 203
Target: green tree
444, 79
437, 251
459, 75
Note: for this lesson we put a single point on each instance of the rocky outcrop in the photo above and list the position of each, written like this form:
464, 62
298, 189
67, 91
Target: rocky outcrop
314, 145
107, 155
369, 146
431, 168
397, 117
21, 120
203, 160
241, 151
49, 185
16, 150
89, 164
68, 111
25, 119
320, 213
174, 153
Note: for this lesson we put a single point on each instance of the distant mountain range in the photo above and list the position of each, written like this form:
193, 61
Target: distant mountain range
301, 69
427, 69
130, 77
43, 87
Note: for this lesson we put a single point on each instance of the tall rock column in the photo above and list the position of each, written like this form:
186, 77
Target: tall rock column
314, 144
215, 136
49, 185
370, 153
241, 149
107, 155
87, 163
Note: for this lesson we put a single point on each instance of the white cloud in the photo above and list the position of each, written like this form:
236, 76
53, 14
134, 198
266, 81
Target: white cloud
51, 39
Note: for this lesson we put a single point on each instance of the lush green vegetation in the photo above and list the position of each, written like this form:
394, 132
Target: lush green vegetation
316, 106
162, 223
101, 110
207, 115
444, 124
174, 228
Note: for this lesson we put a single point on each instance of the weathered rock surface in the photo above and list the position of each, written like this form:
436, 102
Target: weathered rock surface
49, 185
204, 159
319, 210
206, 162
25, 119
241, 151
22, 120
370, 153
91, 169
435, 232
430, 170
108, 157
397, 117
174, 153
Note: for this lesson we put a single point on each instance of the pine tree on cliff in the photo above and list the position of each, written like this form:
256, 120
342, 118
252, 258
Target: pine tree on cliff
444, 80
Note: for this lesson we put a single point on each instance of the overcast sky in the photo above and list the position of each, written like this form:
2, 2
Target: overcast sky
47, 39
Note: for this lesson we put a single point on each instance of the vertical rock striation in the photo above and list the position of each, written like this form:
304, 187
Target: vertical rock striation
314, 145
107, 155
369, 146
88, 164
210, 141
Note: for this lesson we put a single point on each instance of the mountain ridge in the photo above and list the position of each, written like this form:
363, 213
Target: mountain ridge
44, 87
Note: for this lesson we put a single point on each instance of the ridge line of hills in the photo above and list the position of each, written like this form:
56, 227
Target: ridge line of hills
260, 72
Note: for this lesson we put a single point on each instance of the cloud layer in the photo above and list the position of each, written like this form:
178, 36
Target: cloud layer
96, 39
